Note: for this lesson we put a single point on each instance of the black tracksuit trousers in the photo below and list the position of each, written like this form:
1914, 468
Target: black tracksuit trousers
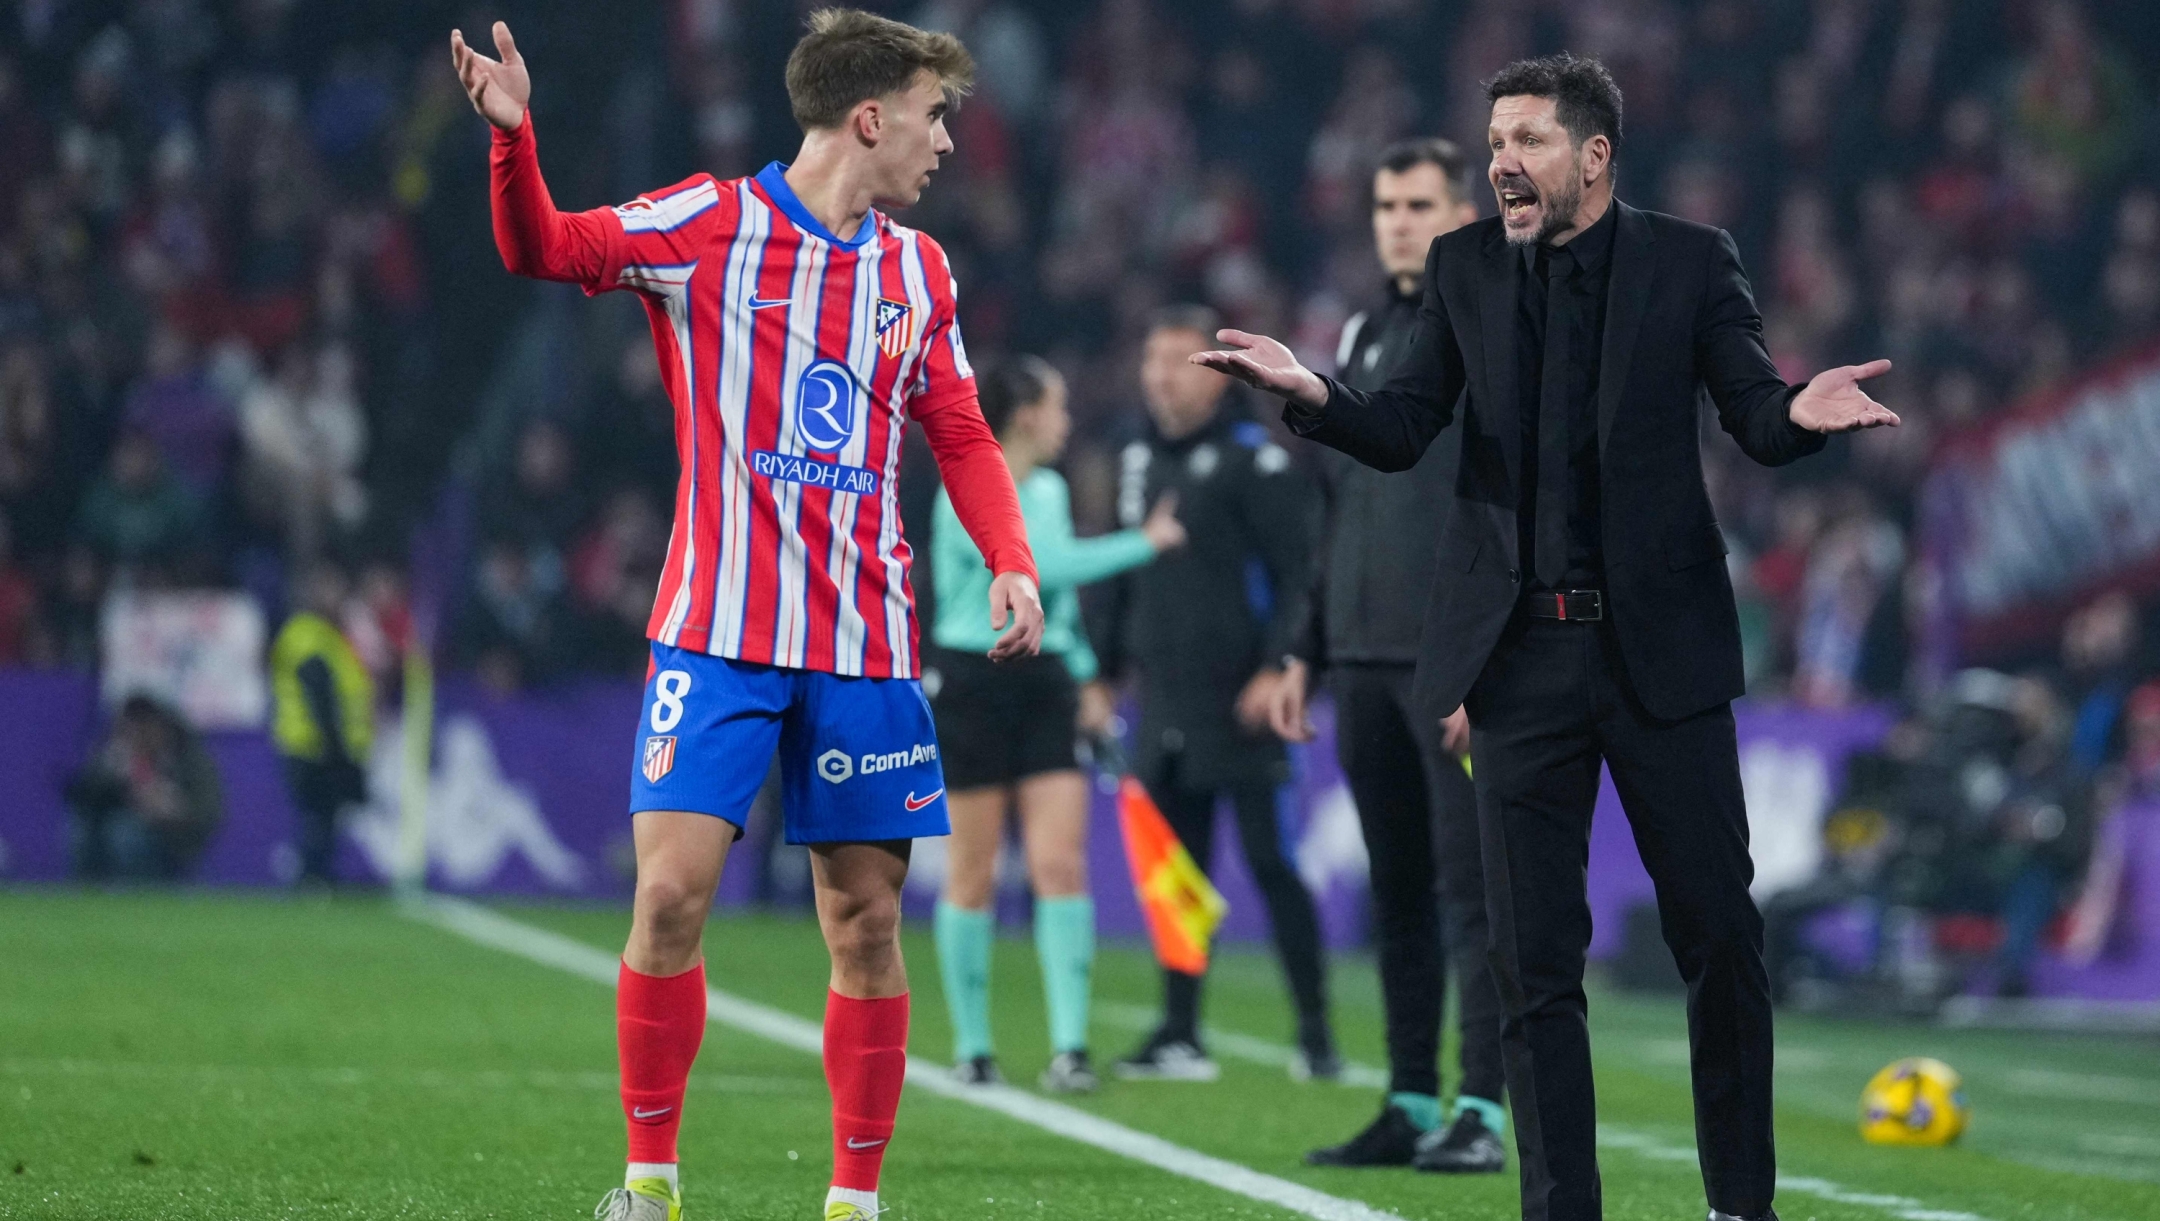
1419, 814
1291, 915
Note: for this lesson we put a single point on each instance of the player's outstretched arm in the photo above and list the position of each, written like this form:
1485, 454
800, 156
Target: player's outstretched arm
533, 238
501, 90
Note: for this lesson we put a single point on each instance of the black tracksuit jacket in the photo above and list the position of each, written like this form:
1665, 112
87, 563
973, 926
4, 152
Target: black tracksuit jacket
1366, 604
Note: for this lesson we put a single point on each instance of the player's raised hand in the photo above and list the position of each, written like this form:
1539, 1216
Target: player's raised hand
1265, 364
499, 91
1834, 401
1013, 596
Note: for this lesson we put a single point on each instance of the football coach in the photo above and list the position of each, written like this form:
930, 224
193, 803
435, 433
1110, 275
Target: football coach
1586, 616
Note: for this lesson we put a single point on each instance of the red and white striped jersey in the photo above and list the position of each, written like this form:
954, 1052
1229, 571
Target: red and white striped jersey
794, 360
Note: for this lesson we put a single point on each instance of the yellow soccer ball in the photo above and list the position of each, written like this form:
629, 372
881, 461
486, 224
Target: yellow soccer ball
1916, 1101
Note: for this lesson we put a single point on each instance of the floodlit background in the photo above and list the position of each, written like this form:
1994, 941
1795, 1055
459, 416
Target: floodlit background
252, 320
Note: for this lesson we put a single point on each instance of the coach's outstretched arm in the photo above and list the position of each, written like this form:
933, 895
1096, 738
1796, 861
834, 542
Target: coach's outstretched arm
1387, 429
534, 239
1774, 423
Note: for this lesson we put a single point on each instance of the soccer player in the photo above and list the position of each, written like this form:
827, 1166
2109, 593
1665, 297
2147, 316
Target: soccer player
798, 330
1009, 732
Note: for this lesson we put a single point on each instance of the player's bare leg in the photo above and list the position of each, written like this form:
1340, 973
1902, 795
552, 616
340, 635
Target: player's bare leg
1053, 832
679, 858
967, 925
866, 1012
660, 998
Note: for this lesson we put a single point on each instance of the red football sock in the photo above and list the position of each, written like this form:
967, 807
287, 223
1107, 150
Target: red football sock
865, 1062
659, 1021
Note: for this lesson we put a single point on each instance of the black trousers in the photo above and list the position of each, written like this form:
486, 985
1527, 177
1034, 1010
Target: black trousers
1551, 704
1418, 810
1296, 925
320, 790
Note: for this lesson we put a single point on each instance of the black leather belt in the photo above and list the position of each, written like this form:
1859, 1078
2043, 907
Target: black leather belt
1587, 605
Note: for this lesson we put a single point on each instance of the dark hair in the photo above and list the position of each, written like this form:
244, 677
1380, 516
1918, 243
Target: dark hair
1587, 102
1010, 384
850, 56
1405, 155
1199, 318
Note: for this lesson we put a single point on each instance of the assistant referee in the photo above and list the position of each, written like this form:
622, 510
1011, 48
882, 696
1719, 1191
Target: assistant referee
1008, 731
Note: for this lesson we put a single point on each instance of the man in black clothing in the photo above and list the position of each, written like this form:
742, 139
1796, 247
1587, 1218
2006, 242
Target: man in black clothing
1582, 614
1414, 799
1205, 628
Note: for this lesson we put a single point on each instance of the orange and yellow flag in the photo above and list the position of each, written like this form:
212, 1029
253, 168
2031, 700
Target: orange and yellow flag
1183, 908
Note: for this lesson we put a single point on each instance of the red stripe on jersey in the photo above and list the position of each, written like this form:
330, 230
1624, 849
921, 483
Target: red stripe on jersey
708, 448
773, 278
836, 325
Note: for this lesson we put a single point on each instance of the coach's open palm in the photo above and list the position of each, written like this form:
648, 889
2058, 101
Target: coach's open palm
1834, 402
499, 91
1265, 364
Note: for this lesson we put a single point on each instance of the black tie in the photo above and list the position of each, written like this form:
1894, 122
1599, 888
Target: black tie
1558, 374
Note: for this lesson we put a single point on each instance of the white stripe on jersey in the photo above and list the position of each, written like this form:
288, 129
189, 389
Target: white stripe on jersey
914, 276
659, 279
791, 610
731, 576
844, 558
671, 212
678, 312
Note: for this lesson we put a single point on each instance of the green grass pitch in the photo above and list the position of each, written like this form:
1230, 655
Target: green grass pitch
220, 1057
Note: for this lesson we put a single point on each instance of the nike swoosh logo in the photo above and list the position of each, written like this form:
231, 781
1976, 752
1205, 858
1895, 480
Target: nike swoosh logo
914, 803
767, 302
642, 1113
860, 1145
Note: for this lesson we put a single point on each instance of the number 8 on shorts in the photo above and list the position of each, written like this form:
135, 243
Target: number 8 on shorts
669, 688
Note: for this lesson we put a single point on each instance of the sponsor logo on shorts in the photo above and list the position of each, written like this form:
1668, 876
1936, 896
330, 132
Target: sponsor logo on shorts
835, 765
924, 753
659, 758
914, 803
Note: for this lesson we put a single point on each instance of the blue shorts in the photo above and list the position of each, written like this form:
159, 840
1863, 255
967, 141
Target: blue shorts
858, 756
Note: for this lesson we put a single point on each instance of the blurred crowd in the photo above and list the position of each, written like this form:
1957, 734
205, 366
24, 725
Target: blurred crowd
1963, 839
250, 316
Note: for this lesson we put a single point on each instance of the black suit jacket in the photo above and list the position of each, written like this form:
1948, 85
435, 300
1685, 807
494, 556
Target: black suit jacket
1679, 322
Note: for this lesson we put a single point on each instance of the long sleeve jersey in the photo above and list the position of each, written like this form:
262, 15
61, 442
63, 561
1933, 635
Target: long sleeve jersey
794, 358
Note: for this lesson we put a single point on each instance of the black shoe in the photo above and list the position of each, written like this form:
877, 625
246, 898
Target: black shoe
1069, 1073
1323, 1065
982, 1070
1466, 1146
1167, 1057
1390, 1140
1715, 1215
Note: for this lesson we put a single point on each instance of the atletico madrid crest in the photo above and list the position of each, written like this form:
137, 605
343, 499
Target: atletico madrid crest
895, 326
659, 758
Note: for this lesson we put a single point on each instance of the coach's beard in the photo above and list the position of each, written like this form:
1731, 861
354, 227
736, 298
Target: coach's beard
1556, 212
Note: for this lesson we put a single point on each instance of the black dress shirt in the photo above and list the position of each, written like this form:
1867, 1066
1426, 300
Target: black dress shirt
1581, 270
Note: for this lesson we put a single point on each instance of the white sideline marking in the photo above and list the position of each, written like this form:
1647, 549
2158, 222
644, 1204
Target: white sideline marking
424, 1078
1263, 1051
496, 931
